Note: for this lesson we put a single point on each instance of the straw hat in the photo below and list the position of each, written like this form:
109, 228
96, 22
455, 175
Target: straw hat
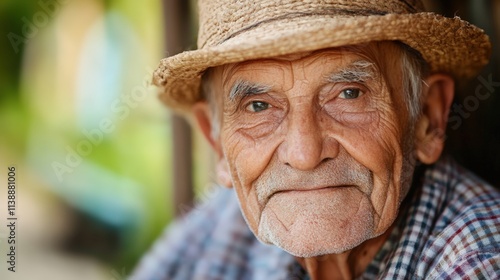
239, 30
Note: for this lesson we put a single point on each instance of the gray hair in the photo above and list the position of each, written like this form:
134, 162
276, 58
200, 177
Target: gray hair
413, 68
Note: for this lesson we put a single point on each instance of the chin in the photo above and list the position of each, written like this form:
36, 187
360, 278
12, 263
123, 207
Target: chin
314, 246
311, 235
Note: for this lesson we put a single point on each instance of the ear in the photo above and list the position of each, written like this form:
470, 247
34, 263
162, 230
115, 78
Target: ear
430, 129
203, 116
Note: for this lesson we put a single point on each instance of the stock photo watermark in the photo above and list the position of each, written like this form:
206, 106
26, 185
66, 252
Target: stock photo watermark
463, 111
471, 103
11, 220
120, 107
32, 25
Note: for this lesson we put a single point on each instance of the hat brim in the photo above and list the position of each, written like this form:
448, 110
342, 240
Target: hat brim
449, 45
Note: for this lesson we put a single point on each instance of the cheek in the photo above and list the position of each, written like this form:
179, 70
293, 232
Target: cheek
247, 159
386, 195
374, 140
369, 138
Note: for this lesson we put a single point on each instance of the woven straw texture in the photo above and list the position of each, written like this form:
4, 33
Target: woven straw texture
234, 31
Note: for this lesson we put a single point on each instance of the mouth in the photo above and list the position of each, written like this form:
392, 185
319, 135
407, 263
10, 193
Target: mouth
307, 190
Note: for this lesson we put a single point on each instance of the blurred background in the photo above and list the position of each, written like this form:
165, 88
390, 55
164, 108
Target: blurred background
91, 143
102, 166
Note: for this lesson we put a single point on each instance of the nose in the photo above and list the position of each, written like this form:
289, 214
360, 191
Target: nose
306, 143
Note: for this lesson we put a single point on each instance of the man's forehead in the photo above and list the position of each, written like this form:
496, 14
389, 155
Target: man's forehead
338, 58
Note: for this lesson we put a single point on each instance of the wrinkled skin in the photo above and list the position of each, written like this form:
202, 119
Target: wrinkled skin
320, 165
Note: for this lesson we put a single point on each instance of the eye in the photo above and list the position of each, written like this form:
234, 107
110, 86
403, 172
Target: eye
350, 93
257, 106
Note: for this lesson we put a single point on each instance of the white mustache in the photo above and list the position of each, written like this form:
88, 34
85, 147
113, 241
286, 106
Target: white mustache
339, 172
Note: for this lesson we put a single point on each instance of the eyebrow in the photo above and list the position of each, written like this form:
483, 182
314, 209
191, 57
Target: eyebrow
242, 89
358, 71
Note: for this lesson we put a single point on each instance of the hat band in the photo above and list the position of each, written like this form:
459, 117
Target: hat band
330, 12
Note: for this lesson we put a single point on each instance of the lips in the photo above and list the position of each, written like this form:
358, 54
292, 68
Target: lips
341, 172
306, 190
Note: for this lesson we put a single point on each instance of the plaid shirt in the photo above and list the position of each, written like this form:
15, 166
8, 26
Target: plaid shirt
450, 229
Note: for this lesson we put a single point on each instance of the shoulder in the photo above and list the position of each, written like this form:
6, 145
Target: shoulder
182, 240
465, 240
211, 242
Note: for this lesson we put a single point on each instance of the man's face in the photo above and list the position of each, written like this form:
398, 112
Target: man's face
317, 146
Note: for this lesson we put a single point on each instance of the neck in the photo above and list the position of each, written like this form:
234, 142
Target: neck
347, 265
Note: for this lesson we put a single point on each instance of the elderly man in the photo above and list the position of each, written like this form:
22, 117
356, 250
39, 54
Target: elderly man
327, 118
